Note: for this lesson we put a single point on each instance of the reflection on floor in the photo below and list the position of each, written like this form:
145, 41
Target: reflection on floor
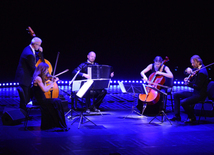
118, 130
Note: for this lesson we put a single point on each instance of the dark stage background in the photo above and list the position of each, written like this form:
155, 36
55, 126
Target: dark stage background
125, 35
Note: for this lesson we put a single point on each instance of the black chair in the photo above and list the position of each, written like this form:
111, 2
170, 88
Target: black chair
209, 99
28, 107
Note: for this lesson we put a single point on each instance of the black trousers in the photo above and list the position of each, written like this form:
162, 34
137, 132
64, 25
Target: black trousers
27, 92
97, 96
187, 100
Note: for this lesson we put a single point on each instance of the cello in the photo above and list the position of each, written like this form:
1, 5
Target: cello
54, 92
155, 81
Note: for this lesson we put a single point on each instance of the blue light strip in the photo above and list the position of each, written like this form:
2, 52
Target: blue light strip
113, 82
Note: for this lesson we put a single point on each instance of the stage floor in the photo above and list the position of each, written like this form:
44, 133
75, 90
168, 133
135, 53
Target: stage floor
117, 131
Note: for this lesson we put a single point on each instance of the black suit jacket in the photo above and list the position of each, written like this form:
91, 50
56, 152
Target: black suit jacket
26, 67
83, 69
199, 82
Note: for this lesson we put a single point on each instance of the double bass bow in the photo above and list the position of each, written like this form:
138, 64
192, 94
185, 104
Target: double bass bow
155, 81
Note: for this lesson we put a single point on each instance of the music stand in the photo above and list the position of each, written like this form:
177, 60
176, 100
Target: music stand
75, 87
90, 84
162, 113
101, 83
136, 88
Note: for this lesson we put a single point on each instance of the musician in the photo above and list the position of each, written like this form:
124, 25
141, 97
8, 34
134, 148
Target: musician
100, 94
188, 99
52, 110
159, 69
26, 68
156, 67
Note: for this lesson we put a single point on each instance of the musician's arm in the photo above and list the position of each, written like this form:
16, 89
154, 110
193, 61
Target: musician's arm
198, 84
143, 72
79, 69
43, 87
168, 73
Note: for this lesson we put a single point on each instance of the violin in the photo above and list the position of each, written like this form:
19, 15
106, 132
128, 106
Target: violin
51, 77
155, 81
191, 75
195, 72
54, 92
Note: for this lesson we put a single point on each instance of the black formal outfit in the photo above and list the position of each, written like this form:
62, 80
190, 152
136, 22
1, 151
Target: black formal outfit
52, 111
155, 109
188, 99
98, 94
24, 72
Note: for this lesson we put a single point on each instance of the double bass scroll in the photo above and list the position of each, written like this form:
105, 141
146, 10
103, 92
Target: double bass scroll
41, 58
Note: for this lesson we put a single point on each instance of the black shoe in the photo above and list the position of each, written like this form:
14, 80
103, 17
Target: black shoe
190, 120
96, 110
176, 118
88, 111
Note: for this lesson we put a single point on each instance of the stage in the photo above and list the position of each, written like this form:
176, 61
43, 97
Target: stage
117, 131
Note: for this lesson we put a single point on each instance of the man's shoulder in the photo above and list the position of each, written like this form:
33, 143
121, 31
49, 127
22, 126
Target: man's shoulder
203, 71
27, 50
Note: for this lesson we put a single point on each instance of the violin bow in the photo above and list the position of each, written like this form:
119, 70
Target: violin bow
56, 63
207, 65
62, 72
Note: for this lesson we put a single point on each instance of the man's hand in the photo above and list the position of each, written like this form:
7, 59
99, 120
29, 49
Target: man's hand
40, 49
186, 80
86, 76
188, 70
112, 74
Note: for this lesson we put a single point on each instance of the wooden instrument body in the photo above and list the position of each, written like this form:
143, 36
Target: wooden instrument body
153, 95
54, 92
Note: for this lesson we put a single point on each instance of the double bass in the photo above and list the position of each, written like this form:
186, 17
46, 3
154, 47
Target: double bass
54, 92
155, 81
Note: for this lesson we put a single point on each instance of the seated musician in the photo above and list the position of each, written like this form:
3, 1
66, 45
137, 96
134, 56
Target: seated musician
158, 69
100, 94
188, 99
52, 110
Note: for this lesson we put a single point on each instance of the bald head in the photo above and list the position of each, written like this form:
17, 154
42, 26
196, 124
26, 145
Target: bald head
91, 56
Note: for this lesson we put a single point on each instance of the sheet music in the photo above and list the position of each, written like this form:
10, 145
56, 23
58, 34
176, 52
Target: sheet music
88, 83
84, 88
123, 89
76, 85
